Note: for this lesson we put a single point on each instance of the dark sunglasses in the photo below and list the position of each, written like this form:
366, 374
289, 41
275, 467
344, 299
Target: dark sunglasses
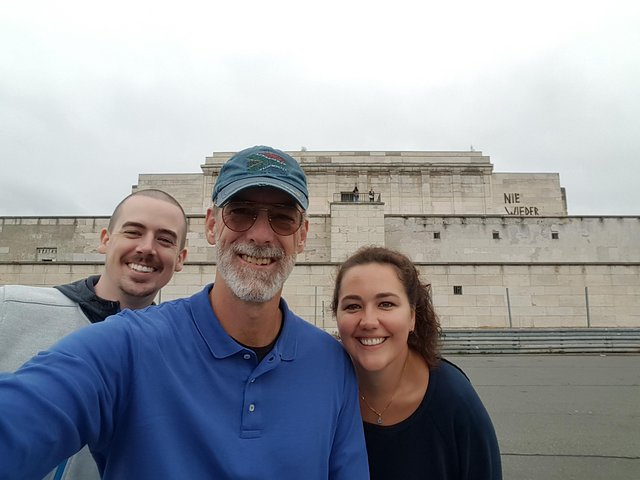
241, 216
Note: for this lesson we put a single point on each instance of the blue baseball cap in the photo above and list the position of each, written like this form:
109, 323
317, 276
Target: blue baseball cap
261, 166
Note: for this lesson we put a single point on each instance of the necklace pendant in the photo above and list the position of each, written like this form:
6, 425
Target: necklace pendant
379, 420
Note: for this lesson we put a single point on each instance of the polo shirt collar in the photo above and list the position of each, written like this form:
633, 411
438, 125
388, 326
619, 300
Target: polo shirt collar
222, 345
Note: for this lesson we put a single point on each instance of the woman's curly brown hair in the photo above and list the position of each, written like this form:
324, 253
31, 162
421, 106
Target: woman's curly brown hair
425, 339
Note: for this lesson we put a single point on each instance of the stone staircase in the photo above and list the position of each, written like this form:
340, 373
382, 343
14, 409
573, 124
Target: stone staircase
540, 340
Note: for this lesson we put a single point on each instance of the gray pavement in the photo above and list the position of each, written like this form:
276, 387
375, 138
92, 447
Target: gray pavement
562, 416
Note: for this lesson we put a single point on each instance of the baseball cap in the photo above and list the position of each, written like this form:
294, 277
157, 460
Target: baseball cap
261, 166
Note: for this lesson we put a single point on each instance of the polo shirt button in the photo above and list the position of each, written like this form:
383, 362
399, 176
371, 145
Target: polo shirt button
247, 356
253, 380
252, 407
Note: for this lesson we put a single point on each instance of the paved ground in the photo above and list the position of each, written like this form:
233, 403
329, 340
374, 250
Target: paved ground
562, 416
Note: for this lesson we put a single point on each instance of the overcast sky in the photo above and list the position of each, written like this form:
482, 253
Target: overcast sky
92, 94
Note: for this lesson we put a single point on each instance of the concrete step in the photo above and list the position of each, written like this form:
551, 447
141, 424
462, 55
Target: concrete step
578, 340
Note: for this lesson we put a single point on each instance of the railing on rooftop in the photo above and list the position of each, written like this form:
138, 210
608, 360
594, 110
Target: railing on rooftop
350, 197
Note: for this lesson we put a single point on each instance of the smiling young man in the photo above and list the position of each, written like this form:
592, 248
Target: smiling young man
143, 246
228, 383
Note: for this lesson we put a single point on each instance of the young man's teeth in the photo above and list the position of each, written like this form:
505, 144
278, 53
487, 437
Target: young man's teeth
140, 268
256, 260
372, 341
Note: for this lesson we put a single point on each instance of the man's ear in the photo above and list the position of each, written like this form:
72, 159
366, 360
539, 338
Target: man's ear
209, 224
104, 240
182, 256
303, 236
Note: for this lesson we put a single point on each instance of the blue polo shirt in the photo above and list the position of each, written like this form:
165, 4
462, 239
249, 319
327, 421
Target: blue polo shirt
164, 392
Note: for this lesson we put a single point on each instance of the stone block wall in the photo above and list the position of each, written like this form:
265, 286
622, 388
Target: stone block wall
354, 225
527, 194
66, 239
514, 239
497, 296
484, 233
190, 189
441, 183
537, 295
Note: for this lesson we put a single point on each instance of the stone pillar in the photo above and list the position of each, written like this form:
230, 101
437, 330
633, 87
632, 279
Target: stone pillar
425, 178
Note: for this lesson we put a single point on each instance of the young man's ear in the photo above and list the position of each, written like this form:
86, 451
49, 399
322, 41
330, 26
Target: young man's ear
209, 224
104, 240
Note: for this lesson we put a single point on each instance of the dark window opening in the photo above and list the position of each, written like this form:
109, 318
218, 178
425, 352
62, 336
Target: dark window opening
457, 289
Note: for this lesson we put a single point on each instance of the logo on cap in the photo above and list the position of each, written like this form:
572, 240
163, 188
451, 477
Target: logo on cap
261, 161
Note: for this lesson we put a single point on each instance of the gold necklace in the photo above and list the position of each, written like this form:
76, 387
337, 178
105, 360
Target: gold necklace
379, 413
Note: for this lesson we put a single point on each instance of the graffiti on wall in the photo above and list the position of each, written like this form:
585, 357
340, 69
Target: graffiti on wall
513, 206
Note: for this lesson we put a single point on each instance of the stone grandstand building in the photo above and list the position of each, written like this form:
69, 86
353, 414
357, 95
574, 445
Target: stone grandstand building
499, 249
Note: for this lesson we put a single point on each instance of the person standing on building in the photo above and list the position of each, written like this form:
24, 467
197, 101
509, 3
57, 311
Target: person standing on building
228, 383
372, 195
143, 244
422, 418
356, 195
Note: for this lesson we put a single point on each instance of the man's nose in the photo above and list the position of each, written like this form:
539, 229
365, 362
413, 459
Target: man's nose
146, 244
261, 229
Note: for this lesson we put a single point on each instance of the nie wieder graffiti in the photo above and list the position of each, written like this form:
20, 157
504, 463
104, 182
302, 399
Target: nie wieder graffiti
521, 210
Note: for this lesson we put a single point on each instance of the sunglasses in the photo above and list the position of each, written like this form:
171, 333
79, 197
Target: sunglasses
241, 216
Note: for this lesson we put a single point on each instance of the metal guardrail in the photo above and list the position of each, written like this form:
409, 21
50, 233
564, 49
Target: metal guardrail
569, 340
350, 197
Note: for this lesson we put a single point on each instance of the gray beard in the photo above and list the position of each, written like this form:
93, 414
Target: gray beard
247, 284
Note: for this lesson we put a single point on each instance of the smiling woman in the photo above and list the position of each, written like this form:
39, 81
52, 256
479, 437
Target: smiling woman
422, 418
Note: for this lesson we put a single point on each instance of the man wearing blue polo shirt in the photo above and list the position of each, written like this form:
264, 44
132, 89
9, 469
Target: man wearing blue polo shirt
228, 383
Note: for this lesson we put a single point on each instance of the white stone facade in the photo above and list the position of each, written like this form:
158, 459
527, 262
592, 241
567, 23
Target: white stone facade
434, 183
498, 248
